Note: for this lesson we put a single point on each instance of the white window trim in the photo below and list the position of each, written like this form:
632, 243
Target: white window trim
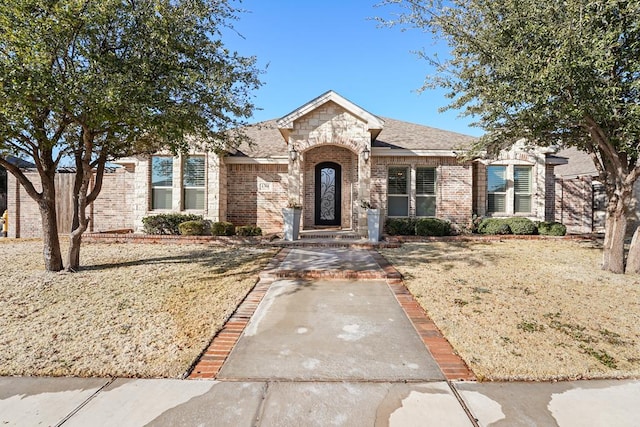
529, 193
406, 195
427, 195
163, 187
510, 193
177, 188
183, 161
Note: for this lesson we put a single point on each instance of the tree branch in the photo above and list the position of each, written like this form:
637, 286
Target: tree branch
20, 176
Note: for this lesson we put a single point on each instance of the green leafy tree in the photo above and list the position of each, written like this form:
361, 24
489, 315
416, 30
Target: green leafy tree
554, 72
97, 80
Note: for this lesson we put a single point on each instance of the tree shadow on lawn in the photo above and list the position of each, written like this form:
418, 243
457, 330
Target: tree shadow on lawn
220, 262
446, 255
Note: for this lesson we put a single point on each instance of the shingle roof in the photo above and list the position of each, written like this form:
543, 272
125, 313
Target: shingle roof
267, 141
579, 163
399, 134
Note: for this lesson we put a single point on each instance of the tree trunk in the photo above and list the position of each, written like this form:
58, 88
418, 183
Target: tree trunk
615, 230
80, 221
633, 260
51, 241
75, 241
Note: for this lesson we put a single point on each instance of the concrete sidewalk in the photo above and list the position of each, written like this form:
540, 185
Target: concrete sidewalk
163, 402
318, 353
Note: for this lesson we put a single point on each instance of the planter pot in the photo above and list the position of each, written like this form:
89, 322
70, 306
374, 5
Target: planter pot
291, 218
374, 224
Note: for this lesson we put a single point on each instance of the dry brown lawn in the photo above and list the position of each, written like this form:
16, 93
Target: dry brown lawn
528, 310
137, 310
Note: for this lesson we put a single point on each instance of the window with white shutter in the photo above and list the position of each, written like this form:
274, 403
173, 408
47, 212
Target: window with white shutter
426, 191
398, 191
193, 182
161, 182
497, 189
522, 189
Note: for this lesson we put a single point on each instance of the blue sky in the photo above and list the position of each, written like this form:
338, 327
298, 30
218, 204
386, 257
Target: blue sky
314, 46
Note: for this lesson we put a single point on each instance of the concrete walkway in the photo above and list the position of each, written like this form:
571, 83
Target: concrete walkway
318, 352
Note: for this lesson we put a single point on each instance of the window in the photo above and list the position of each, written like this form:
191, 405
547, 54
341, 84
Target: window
398, 191
425, 192
522, 189
193, 182
497, 188
161, 182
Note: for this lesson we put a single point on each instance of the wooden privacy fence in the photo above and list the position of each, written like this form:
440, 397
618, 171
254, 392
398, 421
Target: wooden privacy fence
64, 201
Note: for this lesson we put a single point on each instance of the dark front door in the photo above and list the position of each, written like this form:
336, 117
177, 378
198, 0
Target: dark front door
328, 193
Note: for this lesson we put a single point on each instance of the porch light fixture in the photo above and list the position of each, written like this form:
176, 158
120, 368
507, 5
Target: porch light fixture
293, 154
366, 153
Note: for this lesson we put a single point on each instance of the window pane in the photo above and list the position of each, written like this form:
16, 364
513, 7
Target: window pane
398, 180
399, 206
522, 203
194, 198
161, 171
497, 203
193, 172
425, 206
161, 198
496, 179
426, 181
522, 179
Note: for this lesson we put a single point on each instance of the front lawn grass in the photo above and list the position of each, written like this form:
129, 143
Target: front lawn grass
527, 309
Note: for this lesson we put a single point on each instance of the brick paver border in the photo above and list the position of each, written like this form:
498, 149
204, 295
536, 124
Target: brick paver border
209, 364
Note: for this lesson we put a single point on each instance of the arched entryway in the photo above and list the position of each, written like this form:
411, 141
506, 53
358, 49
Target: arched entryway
328, 194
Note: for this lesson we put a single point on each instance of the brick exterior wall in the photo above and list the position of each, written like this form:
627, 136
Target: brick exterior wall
454, 180
256, 195
112, 209
574, 204
550, 194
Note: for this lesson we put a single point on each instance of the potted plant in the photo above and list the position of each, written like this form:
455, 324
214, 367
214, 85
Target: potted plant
291, 215
374, 221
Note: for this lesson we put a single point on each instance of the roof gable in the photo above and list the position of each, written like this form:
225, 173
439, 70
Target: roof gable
373, 123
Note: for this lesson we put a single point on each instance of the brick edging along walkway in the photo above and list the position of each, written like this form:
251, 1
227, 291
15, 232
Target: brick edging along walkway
451, 365
209, 364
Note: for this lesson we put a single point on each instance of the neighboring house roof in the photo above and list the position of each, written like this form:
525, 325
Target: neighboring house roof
580, 164
21, 163
267, 142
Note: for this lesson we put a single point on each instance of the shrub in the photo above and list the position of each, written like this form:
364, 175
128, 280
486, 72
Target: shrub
194, 228
494, 226
551, 228
432, 227
400, 226
166, 223
522, 226
248, 230
222, 229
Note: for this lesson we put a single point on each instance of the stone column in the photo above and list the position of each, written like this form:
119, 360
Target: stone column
364, 189
216, 188
295, 174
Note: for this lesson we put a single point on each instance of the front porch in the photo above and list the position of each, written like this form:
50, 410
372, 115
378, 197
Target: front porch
329, 166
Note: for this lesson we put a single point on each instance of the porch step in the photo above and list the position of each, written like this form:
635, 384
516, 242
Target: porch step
330, 234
